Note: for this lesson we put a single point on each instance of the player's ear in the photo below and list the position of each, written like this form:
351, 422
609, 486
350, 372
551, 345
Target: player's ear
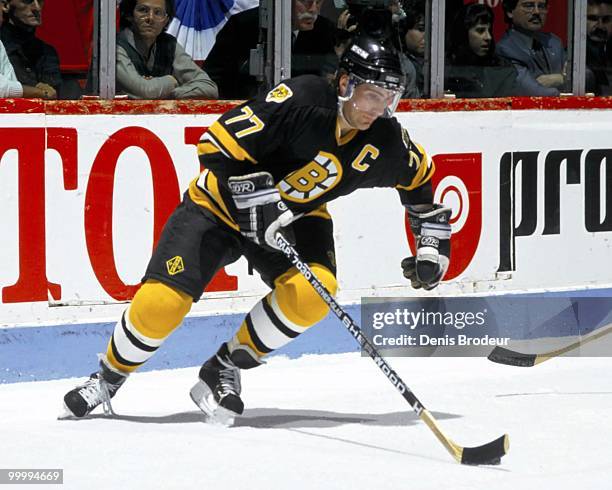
342, 84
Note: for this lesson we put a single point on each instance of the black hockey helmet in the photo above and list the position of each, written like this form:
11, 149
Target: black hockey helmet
373, 61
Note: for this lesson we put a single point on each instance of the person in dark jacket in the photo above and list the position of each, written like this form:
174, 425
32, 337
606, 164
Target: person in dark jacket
472, 67
539, 57
313, 43
36, 63
599, 46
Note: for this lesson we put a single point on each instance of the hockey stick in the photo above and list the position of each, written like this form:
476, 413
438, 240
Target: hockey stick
514, 358
490, 453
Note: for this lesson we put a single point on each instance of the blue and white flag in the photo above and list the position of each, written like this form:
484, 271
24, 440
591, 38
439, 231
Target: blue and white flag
197, 22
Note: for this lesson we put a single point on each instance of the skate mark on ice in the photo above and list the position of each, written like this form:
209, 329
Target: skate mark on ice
267, 418
395, 451
270, 418
193, 416
559, 393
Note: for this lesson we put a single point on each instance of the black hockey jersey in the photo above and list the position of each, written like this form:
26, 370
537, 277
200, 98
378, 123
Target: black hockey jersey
292, 132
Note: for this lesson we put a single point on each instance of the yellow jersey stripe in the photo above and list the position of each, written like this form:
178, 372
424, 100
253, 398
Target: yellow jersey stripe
343, 140
204, 199
320, 212
212, 186
229, 143
207, 148
425, 171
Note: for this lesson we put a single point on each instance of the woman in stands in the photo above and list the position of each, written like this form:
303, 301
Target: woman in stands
472, 67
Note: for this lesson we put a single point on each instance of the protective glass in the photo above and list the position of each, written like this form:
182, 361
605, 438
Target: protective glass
372, 97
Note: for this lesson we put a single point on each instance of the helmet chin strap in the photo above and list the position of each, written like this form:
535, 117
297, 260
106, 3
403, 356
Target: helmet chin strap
343, 99
341, 113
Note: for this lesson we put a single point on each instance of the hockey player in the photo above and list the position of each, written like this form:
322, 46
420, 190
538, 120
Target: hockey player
270, 166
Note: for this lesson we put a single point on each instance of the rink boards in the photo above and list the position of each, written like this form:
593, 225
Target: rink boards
85, 198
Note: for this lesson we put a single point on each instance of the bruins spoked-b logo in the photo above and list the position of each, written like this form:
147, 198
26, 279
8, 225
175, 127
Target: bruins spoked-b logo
175, 265
313, 179
279, 94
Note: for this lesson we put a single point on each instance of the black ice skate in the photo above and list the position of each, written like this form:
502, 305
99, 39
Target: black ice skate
217, 392
97, 390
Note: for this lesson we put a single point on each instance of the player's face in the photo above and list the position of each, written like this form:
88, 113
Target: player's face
28, 12
529, 14
367, 104
599, 22
305, 13
479, 39
149, 19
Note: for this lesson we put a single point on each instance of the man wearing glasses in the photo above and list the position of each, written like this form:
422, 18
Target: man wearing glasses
152, 64
599, 46
539, 57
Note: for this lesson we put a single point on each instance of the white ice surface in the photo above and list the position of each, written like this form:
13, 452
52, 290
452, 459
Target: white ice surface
327, 422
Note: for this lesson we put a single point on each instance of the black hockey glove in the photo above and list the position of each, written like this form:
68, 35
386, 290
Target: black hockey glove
432, 231
261, 212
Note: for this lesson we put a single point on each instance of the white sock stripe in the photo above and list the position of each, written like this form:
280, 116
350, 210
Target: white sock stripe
144, 339
126, 349
267, 332
281, 316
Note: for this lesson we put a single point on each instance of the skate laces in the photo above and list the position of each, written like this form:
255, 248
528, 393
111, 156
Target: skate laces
96, 391
229, 377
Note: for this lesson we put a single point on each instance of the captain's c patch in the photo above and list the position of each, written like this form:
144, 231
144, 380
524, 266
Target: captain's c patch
175, 265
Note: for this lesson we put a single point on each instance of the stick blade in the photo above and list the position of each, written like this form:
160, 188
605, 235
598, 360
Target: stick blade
490, 453
511, 357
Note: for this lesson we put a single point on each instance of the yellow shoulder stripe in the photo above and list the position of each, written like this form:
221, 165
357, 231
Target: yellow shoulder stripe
207, 148
229, 143
426, 169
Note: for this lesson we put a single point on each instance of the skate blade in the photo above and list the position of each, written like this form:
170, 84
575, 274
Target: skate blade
203, 397
66, 414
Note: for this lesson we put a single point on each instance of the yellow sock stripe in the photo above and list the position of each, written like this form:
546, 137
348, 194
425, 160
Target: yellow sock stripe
244, 337
115, 363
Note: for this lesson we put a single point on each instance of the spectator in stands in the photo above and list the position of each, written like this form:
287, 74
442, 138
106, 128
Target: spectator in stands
411, 44
9, 85
538, 56
35, 63
151, 64
599, 46
472, 67
313, 52
313, 40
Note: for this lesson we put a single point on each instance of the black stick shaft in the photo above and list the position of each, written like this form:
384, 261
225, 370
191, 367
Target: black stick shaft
349, 323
